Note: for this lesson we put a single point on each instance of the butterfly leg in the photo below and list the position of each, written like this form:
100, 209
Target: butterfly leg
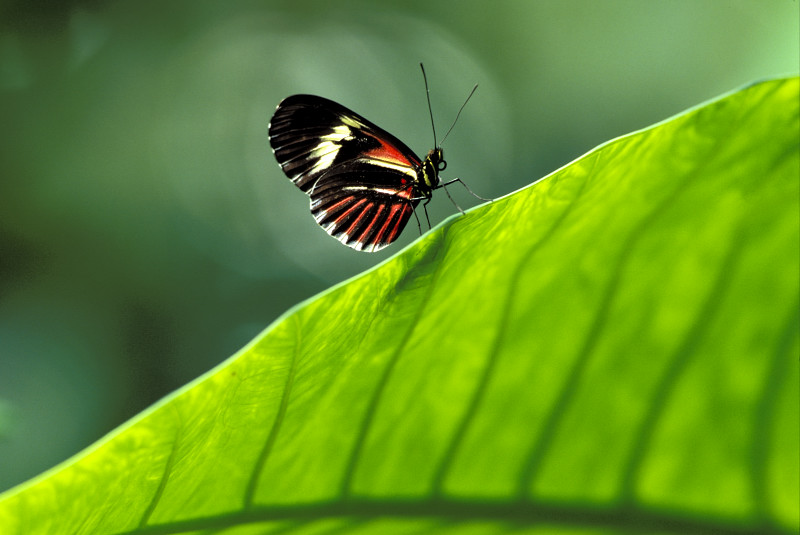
442, 185
419, 225
425, 207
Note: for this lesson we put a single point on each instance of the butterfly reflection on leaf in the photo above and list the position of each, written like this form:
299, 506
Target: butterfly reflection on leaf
363, 182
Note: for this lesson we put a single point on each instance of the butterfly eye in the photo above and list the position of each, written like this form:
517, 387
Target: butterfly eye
442, 165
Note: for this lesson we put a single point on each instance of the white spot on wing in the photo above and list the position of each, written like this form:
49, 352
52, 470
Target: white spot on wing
390, 165
391, 192
325, 152
351, 122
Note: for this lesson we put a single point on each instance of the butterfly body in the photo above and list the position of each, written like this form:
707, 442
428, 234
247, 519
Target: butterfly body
363, 182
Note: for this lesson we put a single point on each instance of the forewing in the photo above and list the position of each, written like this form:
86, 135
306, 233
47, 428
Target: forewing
313, 137
364, 206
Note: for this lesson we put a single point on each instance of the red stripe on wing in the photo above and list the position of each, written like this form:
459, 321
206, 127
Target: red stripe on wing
355, 224
407, 193
390, 228
389, 152
340, 218
365, 235
399, 224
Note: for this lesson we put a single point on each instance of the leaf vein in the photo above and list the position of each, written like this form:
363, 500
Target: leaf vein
266, 450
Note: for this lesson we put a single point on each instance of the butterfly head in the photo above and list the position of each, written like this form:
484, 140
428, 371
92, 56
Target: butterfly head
434, 163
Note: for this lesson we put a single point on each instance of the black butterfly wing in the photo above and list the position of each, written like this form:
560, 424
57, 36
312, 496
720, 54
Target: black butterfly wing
355, 205
363, 182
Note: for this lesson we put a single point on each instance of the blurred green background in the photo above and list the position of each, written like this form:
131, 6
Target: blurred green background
146, 231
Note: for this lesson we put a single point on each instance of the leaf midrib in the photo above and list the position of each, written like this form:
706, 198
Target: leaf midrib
515, 514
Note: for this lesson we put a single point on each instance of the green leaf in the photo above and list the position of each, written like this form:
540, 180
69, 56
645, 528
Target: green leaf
612, 349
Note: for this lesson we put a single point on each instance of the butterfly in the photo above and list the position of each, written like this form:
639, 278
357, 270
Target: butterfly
363, 182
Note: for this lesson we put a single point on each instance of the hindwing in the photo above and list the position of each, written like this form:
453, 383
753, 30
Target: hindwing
363, 205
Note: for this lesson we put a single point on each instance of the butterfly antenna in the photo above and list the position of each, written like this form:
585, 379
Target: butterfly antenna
430, 110
459, 114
